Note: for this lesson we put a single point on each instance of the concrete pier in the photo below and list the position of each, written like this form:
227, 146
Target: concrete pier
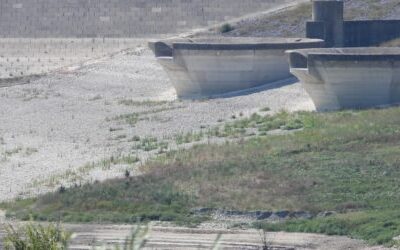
213, 66
348, 78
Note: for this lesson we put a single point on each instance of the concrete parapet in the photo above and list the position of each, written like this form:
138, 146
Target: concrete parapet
348, 78
212, 66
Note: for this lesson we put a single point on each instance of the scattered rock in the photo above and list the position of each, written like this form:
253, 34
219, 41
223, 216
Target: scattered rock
282, 214
301, 215
326, 214
220, 214
263, 215
203, 210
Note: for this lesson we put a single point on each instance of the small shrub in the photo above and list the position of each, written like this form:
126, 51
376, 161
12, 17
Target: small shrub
266, 109
36, 237
293, 124
127, 173
62, 189
264, 241
226, 28
136, 138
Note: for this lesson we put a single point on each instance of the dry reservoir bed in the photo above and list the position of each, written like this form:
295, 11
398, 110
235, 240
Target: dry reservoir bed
21, 57
91, 122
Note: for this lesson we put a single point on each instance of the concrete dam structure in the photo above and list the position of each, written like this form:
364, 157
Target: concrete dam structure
328, 24
347, 78
211, 66
118, 18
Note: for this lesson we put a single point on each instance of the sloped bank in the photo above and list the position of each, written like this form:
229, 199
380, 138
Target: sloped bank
351, 169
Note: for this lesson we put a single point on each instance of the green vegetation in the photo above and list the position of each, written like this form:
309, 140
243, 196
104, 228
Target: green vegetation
265, 109
344, 161
77, 176
135, 117
376, 227
150, 144
189, 137
36, 237
13, 151
130, 119
248, 127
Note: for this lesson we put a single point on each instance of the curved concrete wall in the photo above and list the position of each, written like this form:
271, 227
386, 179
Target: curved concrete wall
118, 18
349, 78
207, 67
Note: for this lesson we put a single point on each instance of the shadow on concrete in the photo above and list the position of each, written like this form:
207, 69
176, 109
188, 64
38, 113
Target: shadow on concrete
249, 91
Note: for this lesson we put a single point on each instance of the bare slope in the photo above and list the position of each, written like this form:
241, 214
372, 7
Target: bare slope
290, 22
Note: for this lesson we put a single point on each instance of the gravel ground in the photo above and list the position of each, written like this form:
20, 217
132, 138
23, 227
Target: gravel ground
53, 127
64, 127
169, 237
23, 57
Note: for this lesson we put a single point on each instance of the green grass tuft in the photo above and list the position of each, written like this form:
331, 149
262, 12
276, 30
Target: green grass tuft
376, 227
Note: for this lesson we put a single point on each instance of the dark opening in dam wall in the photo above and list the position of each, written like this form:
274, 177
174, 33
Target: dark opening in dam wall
328, 24
118, 18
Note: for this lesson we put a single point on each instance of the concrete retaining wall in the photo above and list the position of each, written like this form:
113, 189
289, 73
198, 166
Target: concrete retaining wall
118, 18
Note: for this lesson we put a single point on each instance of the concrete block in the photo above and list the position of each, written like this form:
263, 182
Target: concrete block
351, 78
